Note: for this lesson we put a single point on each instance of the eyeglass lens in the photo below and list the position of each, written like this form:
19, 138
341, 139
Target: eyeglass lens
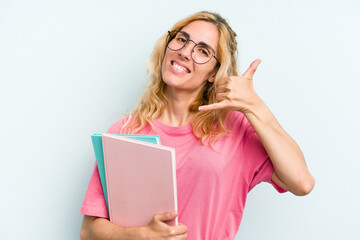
200, 53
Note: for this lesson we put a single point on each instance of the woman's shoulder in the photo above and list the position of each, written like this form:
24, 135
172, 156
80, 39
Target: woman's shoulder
115, 128
236, 120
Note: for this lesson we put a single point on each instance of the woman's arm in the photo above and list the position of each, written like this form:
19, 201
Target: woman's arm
95, 228
291, 171
237, 93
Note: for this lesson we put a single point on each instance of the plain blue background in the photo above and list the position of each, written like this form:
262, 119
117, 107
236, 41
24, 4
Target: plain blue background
68, 69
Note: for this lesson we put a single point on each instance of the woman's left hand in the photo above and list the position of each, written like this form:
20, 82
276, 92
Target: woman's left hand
236, 92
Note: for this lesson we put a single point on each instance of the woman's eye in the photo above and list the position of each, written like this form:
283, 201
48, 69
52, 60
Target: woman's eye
204, 51
180, 39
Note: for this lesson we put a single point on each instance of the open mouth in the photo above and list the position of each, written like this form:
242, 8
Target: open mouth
179, 68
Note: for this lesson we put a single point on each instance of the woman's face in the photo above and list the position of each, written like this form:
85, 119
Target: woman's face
179, 71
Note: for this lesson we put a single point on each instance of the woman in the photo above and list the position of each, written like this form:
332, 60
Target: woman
226, 139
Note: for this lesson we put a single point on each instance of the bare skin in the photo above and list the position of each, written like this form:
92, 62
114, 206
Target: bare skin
95, 228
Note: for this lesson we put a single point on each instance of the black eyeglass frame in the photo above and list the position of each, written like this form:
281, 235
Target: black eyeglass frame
172, 35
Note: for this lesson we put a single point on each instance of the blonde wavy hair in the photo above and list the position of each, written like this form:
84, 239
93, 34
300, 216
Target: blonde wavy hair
208, 126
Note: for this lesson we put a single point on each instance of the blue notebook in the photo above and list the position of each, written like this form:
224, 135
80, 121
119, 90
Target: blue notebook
98, 150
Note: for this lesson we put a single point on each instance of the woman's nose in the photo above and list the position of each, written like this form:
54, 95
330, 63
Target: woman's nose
186, 51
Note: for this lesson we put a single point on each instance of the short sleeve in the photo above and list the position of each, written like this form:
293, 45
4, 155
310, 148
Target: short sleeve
94, 202
264, 174
260, 165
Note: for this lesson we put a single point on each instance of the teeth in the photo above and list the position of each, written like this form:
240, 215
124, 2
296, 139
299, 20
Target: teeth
179, 67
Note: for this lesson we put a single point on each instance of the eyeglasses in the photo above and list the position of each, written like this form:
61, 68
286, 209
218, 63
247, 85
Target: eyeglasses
201, 52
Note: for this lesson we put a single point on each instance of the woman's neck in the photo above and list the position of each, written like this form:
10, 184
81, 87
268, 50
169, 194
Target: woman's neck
177, 111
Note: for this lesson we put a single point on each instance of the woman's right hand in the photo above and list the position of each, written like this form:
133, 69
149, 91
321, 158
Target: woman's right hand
159, 230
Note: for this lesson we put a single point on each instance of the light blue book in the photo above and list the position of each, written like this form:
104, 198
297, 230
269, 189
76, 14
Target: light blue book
98, 150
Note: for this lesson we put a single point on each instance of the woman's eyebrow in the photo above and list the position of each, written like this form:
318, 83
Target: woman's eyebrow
187, 35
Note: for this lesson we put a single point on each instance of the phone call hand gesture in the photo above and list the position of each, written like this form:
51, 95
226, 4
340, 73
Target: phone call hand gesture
236, 92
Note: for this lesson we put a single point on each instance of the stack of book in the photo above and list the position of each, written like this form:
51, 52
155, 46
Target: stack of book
138, 177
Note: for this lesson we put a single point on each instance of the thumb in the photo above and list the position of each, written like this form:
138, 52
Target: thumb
251, 70
163, 217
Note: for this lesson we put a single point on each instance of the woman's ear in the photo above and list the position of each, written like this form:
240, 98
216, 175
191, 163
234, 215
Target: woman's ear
212, 77
213, 73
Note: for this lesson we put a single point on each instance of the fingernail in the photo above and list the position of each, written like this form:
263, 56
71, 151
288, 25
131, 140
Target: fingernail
201, 108
173, 213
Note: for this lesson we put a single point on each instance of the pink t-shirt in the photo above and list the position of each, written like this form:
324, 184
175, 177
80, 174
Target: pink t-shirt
211, 185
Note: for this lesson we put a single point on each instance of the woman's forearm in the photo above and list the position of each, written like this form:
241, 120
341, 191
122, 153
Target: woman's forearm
95, 228
285, 154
